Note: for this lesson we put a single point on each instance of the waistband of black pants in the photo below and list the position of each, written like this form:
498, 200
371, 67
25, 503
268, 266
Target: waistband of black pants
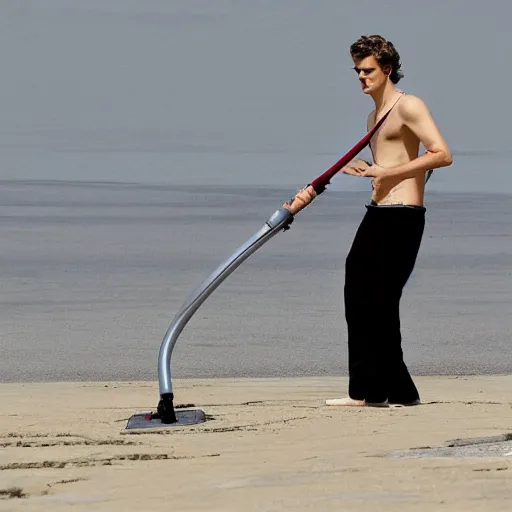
372, 205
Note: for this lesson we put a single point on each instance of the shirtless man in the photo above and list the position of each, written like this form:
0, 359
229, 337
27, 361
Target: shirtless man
385, 247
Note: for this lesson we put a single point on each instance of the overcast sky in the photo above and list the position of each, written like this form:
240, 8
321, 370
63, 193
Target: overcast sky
249, 92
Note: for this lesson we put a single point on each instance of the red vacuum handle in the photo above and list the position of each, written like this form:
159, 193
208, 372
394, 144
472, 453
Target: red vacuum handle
323, 180
317, 186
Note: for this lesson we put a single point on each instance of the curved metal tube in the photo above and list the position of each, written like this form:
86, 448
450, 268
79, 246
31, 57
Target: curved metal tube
280, 220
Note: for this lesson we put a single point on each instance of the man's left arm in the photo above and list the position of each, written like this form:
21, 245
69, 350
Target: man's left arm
418, 119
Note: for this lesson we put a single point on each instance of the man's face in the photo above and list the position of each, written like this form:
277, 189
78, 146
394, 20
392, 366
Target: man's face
370, 74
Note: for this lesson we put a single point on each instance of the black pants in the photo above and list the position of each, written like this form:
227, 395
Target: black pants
378, 266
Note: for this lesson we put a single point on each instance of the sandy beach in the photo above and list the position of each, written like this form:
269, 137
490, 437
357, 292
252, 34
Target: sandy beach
268, 444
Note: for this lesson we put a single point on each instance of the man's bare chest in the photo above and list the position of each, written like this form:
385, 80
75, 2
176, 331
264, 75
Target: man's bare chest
391, 130
391, 135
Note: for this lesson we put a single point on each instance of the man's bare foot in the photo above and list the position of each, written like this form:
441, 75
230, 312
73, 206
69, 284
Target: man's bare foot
408, 404
350, 402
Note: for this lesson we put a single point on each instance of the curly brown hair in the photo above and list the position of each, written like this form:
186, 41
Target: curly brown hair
383, 51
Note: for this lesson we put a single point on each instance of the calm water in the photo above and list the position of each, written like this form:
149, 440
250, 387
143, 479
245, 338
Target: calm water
93, 273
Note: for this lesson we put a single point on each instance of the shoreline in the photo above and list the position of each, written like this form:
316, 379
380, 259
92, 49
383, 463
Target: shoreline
154, 379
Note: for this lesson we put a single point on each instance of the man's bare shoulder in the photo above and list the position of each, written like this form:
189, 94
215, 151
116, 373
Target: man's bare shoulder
411, 107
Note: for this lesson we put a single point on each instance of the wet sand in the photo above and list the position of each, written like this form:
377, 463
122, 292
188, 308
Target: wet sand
93, 273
